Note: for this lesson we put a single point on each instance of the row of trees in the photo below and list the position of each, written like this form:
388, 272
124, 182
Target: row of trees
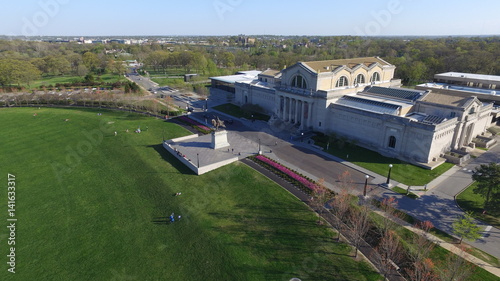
97, 98
413, 254
417, 59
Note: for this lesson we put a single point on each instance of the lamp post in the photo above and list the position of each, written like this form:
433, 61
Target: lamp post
198, 158
389, 174
206, 104
260, 151
366, 184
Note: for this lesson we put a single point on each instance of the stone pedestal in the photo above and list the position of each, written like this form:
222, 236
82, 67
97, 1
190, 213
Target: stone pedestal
219, 139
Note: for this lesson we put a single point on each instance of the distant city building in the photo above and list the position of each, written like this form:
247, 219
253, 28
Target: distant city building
360, 100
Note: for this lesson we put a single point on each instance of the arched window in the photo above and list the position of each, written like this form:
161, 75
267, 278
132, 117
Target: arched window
299, 82
342, 82
472, 110
392, 142
375, 77
360, 79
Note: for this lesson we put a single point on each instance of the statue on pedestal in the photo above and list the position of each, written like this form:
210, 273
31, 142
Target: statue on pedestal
218, 123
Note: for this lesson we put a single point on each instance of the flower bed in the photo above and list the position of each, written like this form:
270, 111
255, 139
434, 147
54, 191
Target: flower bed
308, 185
197, 125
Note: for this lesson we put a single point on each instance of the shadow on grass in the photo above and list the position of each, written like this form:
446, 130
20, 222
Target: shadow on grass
176, 163
161, 220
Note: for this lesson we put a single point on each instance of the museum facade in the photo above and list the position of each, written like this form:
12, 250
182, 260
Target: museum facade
360, 100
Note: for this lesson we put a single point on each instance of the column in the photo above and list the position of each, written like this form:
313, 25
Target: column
309, 115
297, 113
302, 117
289, 114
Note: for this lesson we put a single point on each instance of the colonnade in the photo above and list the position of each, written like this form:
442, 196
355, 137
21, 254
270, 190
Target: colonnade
295, 111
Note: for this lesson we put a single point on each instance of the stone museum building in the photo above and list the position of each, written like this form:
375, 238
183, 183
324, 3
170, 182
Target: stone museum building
360, 99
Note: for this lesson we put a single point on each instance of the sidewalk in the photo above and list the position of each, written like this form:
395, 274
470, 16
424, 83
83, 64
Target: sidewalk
437, 204
448, 246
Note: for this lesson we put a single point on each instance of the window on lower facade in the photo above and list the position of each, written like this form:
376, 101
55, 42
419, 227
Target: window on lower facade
392, 142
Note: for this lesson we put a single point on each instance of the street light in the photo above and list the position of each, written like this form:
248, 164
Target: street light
198, 158
366, 183
259, 147
389, 174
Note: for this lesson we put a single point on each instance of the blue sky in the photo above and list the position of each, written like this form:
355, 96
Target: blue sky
233, 17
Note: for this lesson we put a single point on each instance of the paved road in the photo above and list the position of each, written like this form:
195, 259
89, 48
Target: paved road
437, 205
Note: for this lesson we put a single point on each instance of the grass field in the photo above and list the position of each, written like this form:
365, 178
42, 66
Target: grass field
402, 172
106, 78
93, 206
470, 201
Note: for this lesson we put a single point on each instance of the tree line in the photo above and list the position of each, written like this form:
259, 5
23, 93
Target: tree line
417, 59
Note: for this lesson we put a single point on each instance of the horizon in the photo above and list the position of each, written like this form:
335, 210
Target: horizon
388, 18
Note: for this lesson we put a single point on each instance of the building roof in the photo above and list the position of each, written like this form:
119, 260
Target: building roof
446, 99
271, 73
330, 65
396, 93
369, 105
468, 76
445, 86
426, 119
244, 76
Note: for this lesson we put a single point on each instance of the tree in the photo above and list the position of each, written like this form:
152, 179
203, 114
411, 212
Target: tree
359, 220
422, 266
390, 251
13, 71
465, 227
91, 61
456, 267
487, 177
341, 203
388, 206
319, 197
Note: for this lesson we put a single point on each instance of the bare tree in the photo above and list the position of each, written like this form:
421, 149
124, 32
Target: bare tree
359, 225
340, 207
423, 270
390, 213
390, 251
456, 268
319, 198
422, 266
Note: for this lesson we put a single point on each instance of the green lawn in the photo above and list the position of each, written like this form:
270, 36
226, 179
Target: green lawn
402, 172
52, 80
439, 254
92, 206
470, 201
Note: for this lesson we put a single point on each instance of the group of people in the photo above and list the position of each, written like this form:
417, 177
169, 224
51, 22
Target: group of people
172, 217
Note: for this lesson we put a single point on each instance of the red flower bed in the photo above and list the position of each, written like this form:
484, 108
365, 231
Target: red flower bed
305, 182
195, 124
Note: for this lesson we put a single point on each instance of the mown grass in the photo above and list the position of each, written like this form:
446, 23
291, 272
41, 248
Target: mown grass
402, 172
469, 201
53, 80
94, 206
438, 254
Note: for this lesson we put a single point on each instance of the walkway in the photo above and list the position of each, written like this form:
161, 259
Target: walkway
436, 205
